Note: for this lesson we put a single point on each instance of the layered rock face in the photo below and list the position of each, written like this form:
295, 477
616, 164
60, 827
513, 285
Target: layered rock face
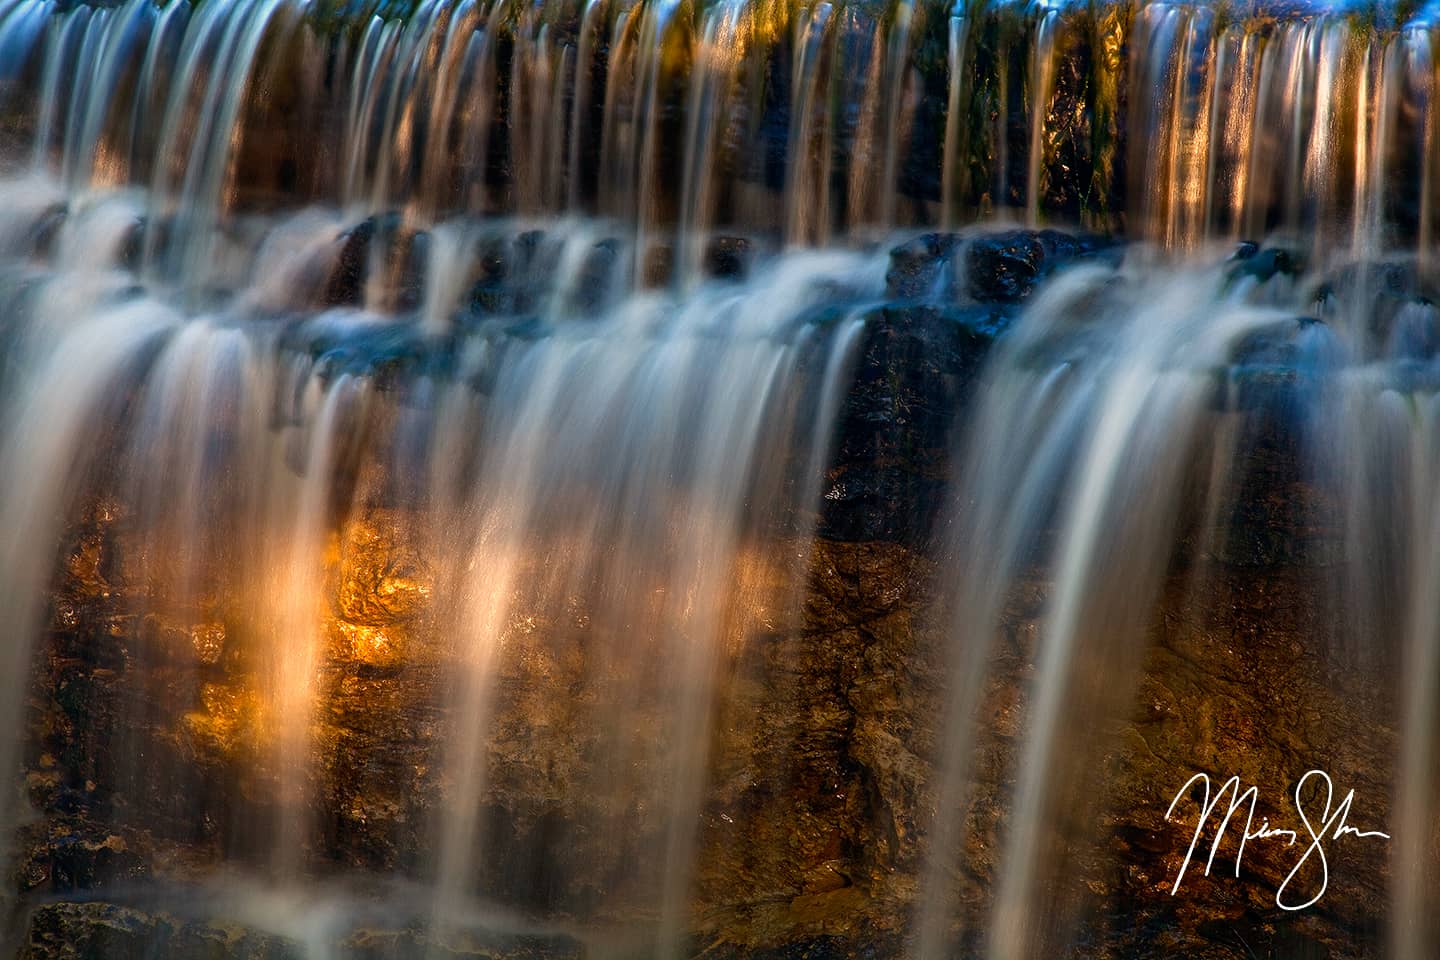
814, 822
822, 782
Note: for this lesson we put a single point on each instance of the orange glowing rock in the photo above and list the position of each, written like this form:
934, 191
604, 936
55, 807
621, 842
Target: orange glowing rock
383, 578
208, 639
229, 718
374, 647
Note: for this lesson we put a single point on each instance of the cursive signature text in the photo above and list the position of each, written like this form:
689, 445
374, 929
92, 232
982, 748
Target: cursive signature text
1331, 824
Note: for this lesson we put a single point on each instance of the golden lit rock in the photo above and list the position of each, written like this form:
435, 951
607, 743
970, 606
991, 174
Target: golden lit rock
373, 647
83, 565
208, 640
228, 720
383, 577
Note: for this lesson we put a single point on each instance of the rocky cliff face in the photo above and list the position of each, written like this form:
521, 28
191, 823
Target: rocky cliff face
823, 780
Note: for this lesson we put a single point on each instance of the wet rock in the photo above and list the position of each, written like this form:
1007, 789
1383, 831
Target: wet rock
393, 355
1148, 841
919, 267
1004, 268
81, 863
1278, 367
384, 579
998, 268
511, 275
1390, 303
813, 829
1289, 944
207, 640
833, 708
347, 279
112, 931
1401, 280
226, 722
488, 294
390, 945
728, 258
376, 650
43, 234
599, 277
164, 640
107, 931
877, 946
821, 796
378, 756
148, 233
380, 248
1080, 144
1007, 267
916, 365
1252, 933
1264, 263
75, 851
406, 271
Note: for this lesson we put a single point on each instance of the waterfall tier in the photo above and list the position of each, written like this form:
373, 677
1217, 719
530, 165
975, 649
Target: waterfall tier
806, 122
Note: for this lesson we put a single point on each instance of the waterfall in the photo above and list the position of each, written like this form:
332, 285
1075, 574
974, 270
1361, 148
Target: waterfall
488, 478
816, 120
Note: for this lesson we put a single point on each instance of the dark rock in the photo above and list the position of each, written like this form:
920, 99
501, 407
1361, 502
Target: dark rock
1389, 302
599, 277
1278, 366
145, 232
393, 354
728, 258
874, 947
380, 245
44, 232
489, 294
107, 931
1263, 264
1414, 331
347, 280
1371, 277
1237, 931
1251, 936
396, 945
820, 795
916, 365
920, 266
1007, 267
513, 275
1289, 944
1149, 841
81, 863
407, 271
111, 931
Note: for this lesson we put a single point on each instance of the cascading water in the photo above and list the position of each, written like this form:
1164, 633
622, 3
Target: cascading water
486, 479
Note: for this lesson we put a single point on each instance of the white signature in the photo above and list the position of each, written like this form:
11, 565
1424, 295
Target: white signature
1331, 825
